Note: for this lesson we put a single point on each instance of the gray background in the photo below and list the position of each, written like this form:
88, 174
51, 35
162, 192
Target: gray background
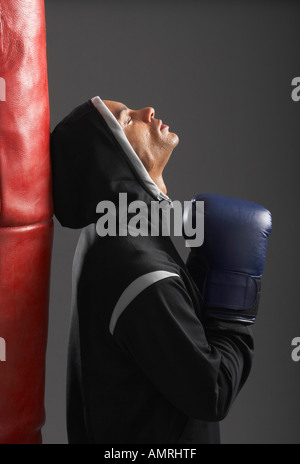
219, 73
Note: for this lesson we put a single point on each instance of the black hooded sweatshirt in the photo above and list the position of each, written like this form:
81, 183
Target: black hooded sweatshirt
144, 364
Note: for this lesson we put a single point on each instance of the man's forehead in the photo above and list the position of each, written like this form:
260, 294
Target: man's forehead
115, 107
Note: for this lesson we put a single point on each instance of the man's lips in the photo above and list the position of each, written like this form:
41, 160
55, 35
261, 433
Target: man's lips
163, 126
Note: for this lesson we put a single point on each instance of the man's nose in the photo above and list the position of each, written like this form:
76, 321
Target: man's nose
148, 114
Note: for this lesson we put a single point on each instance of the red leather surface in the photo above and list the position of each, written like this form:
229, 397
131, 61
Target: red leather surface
26, 227
25, 257
24, 117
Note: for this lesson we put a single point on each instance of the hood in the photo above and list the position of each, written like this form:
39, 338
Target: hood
93, 161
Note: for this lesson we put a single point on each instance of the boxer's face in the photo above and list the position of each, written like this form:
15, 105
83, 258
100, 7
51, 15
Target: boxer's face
150, 138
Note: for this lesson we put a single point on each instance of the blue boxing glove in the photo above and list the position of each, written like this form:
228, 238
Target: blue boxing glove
228, 267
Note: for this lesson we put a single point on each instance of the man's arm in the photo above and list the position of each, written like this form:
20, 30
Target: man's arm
200, 370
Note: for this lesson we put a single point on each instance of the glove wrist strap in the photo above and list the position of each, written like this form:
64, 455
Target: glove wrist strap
231, 295
231, 290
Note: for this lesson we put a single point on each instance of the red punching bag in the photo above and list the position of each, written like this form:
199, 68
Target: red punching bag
26, 226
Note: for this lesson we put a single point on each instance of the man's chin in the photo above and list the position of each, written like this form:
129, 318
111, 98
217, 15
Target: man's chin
174, 139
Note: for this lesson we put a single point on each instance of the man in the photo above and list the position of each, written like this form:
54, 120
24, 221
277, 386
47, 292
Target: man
146, 364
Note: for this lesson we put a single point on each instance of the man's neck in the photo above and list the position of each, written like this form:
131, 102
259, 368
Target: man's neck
160, 183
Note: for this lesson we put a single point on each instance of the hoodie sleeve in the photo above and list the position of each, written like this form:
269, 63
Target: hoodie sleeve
199, 369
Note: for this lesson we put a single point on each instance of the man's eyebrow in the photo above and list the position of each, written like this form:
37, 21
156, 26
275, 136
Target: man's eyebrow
124, 108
